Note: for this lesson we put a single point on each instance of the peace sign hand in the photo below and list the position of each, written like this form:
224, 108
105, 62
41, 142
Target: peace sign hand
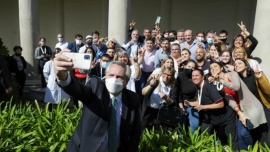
132, 24
242, 26
134, 58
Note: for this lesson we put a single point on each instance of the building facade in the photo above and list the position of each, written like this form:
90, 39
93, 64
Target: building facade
23, 22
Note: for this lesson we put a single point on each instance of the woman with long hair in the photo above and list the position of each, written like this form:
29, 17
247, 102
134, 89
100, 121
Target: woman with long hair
258, 84
244, 103
187, 92
157, 92
245, 40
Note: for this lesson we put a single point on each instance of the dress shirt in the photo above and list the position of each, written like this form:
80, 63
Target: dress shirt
148, 63
134, 48
160, 55
192, 48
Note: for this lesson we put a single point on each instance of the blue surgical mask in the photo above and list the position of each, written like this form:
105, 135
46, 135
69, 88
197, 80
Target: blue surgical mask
104, 64
210, 41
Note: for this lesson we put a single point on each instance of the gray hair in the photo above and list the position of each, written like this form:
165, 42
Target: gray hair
123, 65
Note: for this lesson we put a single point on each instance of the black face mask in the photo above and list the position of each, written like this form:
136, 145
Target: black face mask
224, 40
89, 43
171, 39
188, 72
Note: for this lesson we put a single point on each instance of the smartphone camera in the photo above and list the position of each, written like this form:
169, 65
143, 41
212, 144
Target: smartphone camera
87, 57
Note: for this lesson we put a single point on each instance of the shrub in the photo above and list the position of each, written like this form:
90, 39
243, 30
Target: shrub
27, 128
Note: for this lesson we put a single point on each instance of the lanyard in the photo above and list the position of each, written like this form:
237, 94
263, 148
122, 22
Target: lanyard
42, 50
200, 93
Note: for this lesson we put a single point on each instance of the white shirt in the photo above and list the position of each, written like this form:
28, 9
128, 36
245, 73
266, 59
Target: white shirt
61, 45
155, 100
134, 48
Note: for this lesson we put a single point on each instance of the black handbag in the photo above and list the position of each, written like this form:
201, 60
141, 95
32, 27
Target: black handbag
170, 115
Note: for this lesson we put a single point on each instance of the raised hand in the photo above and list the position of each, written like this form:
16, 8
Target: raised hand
132, 24
242, 26
134, 57
62, 64
153, 81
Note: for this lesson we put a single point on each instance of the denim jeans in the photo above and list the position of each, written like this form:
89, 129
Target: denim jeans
193, 118
244, 136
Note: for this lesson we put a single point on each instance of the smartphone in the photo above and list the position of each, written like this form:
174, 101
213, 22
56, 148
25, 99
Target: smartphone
249, 124
80, 60
158, 20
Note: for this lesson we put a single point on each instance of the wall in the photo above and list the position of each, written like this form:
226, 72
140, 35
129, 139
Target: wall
85, 16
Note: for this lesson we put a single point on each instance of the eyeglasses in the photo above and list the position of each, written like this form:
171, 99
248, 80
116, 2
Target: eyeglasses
166, 74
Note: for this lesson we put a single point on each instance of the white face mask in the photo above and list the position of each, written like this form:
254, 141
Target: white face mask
60, 39
78, 42
200, 39
114, 85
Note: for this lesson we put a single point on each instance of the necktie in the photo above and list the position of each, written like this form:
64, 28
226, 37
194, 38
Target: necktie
112, 132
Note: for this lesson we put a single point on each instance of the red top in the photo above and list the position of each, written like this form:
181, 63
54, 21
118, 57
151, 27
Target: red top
79, 75
233, 93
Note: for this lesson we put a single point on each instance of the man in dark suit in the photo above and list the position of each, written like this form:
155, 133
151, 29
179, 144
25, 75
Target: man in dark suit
75, 46
111, 117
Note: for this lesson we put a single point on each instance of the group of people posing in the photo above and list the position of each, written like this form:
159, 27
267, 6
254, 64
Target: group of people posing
217, 85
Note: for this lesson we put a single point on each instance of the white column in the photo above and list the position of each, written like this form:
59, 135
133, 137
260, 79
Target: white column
118, 20
262, 33
29, 32
165, 14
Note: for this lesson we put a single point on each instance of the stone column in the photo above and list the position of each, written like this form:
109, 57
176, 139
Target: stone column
165, 14
118, 20
29, 32
262, 33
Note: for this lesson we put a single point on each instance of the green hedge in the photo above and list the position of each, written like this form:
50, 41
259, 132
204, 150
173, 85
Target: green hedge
28, 128
25, 127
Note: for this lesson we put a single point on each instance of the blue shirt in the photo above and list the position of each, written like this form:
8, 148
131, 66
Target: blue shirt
192, 48
159, 56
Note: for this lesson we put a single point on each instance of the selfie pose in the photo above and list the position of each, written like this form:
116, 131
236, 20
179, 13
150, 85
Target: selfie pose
111, 114
249, 110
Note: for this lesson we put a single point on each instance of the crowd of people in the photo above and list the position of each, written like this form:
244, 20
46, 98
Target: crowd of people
216, 84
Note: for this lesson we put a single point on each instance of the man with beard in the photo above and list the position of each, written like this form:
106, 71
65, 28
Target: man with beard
88, 43
133, 45
202, 63
110, 119
163, 52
